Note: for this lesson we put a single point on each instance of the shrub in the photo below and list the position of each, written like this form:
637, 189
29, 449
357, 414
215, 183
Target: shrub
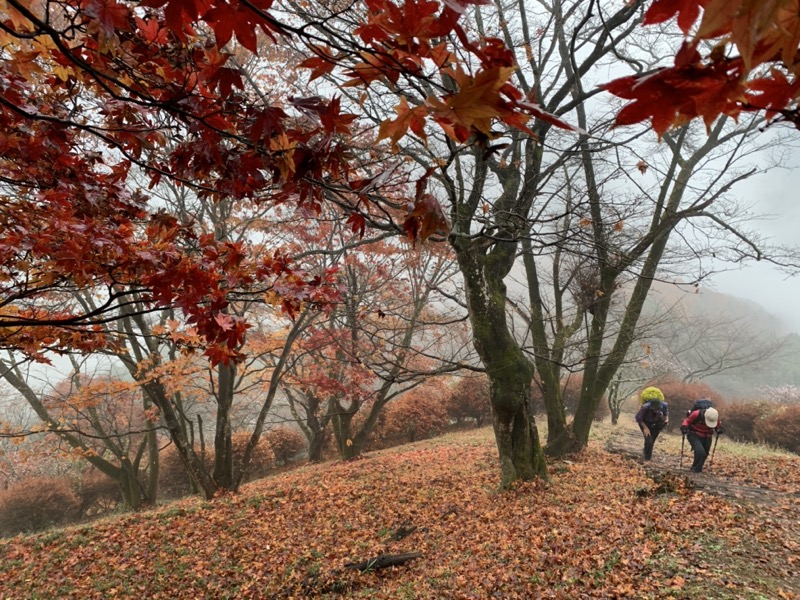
37, 503
469, 399
262, 460
285, 442
681, 397
98, 494
173, 480
741, 417
781, 428
413, 416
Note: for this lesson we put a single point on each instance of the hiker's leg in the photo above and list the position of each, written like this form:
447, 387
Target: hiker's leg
700, 453
707, 447
648, 446
649, 442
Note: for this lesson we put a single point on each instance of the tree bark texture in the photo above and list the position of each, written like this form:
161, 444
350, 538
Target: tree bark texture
509, 371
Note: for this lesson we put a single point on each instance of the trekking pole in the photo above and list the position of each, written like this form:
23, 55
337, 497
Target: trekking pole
713, 450
683, 439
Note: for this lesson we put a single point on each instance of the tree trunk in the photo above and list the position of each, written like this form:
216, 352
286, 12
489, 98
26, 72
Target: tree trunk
510, 373
223, 446
520, 452
343, 431
194, 466
315, 445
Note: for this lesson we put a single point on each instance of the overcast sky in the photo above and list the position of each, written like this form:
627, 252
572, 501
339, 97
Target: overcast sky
776, 194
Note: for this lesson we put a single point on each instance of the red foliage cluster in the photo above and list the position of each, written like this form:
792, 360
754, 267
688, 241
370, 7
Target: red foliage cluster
709, 78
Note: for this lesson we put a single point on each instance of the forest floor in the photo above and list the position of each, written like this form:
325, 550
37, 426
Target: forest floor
605, 525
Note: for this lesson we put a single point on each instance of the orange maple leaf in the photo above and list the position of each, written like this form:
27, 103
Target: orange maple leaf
407, 118
476, 103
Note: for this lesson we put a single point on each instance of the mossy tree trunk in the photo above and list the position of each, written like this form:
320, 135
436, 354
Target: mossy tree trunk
510, 372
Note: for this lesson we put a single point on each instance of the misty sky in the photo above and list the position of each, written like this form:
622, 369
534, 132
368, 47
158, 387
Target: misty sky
776, 194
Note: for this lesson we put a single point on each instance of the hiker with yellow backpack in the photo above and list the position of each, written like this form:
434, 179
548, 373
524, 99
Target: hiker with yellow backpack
652, 418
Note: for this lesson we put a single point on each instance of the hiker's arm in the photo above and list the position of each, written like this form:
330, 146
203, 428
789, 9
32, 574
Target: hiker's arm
640, 421
690, 418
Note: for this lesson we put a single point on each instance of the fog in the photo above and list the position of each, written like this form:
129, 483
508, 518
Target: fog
777, 196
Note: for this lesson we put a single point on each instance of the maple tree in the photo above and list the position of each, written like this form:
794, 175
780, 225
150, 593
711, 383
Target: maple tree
739, 56
120, 88
154, 88
101, 421
164, 75
551, 200
395, 328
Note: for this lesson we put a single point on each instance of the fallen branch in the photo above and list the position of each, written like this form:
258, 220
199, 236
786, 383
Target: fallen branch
383, 561
402, 532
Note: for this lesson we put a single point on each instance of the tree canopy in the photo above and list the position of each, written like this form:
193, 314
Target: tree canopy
103, 102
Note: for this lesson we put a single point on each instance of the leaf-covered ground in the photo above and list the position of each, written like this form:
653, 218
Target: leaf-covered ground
600, 528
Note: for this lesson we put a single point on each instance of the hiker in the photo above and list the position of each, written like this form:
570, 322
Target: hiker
699, 427
652, 417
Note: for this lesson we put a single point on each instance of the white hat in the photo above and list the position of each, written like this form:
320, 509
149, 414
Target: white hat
711, 417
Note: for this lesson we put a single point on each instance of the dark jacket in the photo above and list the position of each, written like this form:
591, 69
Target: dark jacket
653, 413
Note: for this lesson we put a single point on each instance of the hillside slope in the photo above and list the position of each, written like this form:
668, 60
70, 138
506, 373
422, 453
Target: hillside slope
600, 528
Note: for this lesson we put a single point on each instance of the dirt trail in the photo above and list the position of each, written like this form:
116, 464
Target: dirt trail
766, 544
629, 443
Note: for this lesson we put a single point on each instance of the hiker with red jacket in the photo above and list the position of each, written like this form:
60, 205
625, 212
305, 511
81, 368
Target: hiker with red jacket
652, 417
699, 427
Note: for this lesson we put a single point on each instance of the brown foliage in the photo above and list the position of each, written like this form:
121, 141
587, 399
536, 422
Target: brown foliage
415, 415
37, 503
470, 399
285, 442
741, 419
781, 428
